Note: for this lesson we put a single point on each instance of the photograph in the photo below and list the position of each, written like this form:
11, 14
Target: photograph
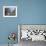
9, 11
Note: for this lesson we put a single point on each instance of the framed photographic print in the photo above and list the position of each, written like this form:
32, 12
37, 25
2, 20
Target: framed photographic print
9, 11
